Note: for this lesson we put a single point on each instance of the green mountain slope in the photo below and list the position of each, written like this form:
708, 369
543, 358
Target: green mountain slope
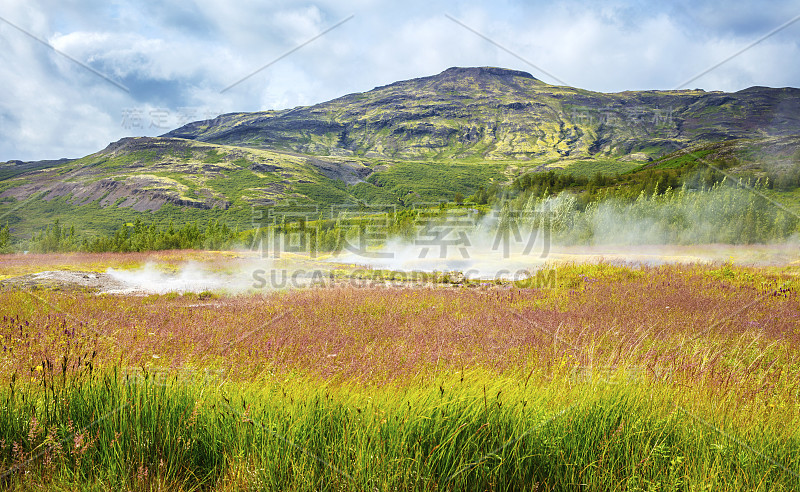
412, 142
167, 179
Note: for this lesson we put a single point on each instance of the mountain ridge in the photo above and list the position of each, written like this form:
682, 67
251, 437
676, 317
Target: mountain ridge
494, 113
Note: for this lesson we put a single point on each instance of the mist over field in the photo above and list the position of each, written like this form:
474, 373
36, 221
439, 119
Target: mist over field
516, 239
725, 223
189, 277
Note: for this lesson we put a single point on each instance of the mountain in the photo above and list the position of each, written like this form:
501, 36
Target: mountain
493, 113
414, 141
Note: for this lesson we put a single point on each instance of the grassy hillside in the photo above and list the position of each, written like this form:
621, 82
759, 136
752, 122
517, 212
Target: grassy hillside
162, 179
170, 180
464, 133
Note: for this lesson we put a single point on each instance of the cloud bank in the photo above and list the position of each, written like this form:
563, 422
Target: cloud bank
175, 59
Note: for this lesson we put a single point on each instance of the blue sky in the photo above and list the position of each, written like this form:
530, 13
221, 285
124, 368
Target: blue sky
175, 59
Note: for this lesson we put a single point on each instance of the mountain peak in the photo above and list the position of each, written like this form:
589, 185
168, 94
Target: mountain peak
482, 72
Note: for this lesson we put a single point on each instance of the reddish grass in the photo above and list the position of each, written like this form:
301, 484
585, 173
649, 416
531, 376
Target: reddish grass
731, 330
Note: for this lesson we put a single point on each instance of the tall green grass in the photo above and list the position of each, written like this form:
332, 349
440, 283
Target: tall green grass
130, 430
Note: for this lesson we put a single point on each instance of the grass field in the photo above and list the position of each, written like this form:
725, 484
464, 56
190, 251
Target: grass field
614, 378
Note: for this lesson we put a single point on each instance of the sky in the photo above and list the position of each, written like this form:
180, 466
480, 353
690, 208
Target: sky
76, 75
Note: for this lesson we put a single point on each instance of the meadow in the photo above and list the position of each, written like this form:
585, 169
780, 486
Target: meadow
615, 377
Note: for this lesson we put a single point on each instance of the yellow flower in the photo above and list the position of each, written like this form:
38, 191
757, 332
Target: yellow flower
39, 369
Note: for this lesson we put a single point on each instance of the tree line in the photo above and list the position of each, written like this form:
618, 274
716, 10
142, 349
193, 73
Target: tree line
655, 205
129, 237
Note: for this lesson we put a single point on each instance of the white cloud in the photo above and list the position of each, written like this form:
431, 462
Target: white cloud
177, 57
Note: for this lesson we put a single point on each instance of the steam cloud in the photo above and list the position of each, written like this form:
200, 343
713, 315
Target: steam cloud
190, 277
518, 239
